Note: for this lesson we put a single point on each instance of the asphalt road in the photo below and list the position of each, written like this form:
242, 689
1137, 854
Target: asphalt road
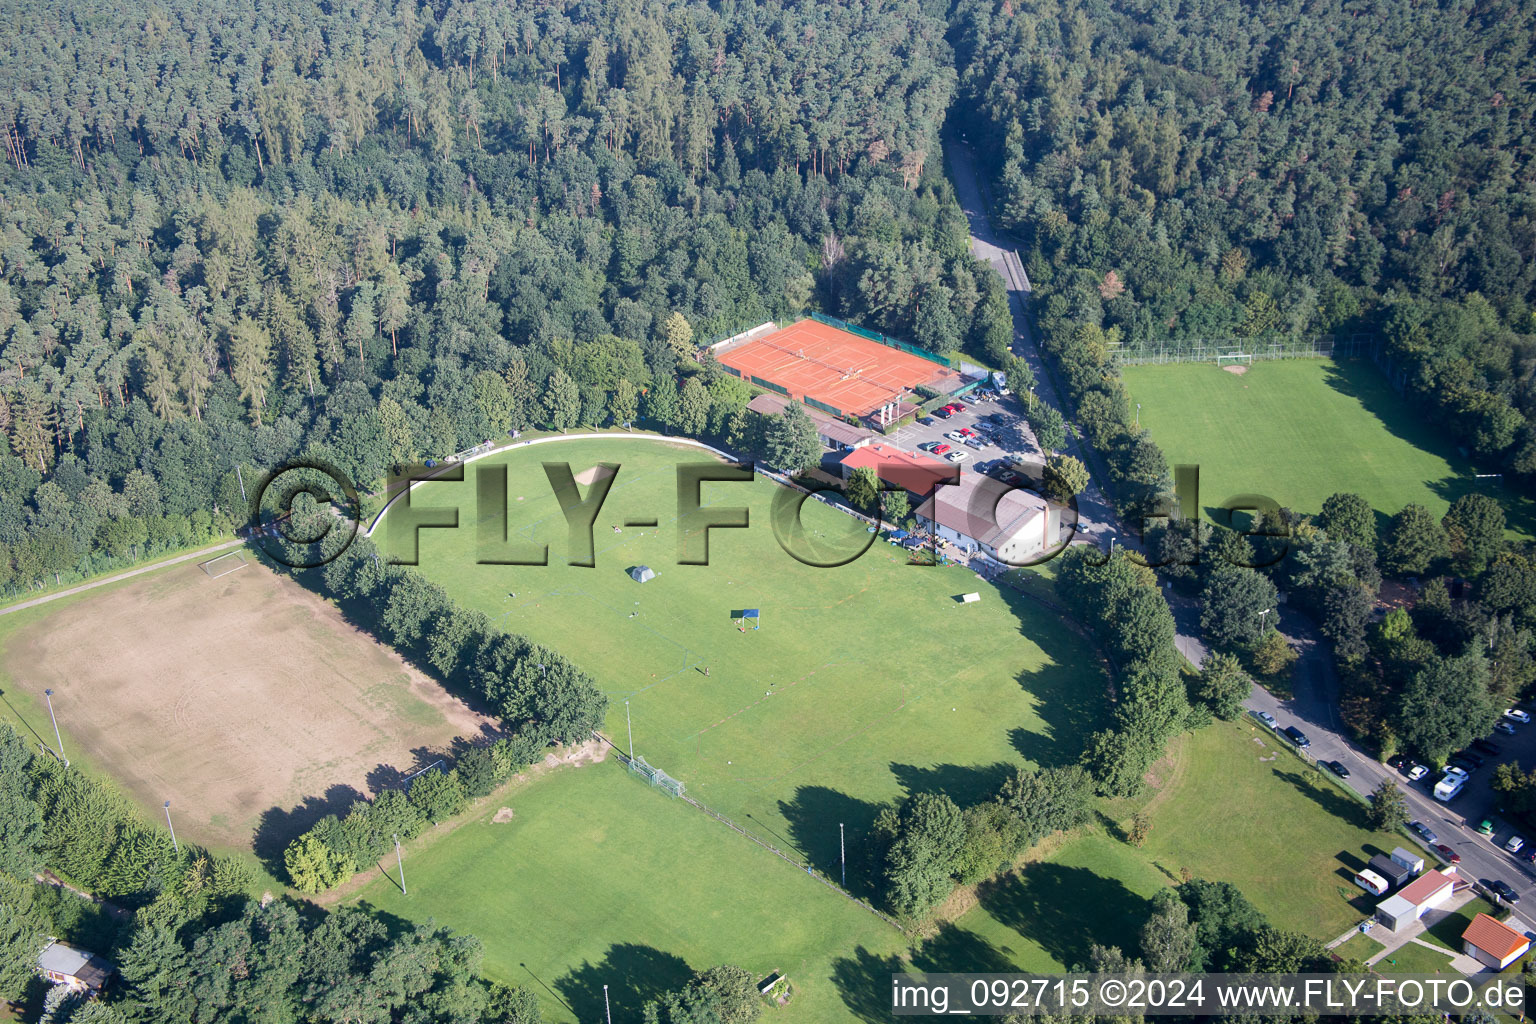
1096, 519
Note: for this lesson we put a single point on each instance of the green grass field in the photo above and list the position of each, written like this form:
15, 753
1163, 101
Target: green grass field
601, 879
1223, 807
866, 681
1300, 430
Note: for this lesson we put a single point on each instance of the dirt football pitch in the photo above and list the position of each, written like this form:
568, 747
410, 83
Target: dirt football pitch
245, 700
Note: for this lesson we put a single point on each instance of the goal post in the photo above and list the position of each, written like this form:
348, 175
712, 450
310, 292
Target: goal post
656, 777
1235, 359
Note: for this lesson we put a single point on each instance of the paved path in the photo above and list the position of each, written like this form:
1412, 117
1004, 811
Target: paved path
141, 570
1097, 521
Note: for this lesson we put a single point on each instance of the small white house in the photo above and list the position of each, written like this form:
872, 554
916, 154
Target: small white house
1426, 892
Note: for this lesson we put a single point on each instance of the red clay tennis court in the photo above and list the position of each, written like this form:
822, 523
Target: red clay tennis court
851, 374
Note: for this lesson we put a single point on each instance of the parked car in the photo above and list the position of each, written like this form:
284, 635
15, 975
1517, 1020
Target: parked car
966, 432
939, 449
1488, 747
1397, 761
998, 418
1425, 832
1297, 737
1504, 892
1267, 718
1338, 768
1416, 771
955, 436
942, 414
1485, 828
958, 456
1514, 844
1462, 764
1450, 855
1515, 714
975, 442
1506, 728
1475, 760
926, 421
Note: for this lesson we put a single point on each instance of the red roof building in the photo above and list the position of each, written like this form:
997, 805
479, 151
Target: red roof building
917, 473
1493, 942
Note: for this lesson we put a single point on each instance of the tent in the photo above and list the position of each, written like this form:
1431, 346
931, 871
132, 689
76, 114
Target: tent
751, 615
896, 536
641, 573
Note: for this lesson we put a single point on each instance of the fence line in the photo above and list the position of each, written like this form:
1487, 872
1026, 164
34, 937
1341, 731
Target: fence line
728, 823
1203, 350
882, 339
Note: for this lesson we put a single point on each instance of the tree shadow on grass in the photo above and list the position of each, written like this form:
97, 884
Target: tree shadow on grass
864, 982
864, 979
1325, 796
964, 784
1066, 910
634, 974
1070, 689
1360, 381
960, 950
277, 827
814, 815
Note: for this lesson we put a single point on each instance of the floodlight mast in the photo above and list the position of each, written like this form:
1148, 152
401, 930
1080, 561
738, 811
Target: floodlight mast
174, 845
48, 695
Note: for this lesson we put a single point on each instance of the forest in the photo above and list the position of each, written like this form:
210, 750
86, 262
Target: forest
237, 234
1249, 176
379, 233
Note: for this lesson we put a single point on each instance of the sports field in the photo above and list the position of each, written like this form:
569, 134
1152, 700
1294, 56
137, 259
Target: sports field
630, 886
864, 682
1300, 430
245, 700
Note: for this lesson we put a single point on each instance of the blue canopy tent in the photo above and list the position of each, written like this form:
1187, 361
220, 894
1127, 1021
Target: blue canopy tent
752, 615
896, 536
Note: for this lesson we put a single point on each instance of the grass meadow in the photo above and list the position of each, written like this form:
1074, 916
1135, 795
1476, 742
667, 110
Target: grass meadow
1300, 430
865, 683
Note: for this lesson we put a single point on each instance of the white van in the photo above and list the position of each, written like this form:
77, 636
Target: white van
1371, 882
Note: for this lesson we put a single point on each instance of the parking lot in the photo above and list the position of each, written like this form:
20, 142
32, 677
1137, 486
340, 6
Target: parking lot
1457, 821
1011, 437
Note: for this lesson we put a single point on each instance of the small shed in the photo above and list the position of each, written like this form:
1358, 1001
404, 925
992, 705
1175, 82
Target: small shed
1408, 859
642, 573
1492, 942
1395, 873
970, 598
78, 969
